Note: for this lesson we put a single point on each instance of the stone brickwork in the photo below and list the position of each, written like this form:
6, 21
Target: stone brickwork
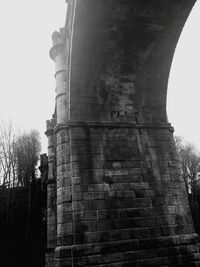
51, 195
125, 201
120, 195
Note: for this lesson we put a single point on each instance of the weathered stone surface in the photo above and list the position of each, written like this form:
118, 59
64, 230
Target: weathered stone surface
121, 199
51, 195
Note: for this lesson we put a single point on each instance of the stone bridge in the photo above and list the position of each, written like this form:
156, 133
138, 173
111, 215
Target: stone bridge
115, 193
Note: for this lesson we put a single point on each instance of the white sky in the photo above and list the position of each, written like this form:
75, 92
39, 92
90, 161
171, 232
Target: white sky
27, 82
184, 82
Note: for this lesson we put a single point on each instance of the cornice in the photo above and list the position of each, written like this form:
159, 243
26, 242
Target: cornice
57, 49
92, 124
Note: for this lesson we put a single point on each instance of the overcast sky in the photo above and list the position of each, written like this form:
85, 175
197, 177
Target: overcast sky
27, 82
184, 81
27, 73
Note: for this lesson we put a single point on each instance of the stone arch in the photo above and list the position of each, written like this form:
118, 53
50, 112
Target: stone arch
127, 45
121, 199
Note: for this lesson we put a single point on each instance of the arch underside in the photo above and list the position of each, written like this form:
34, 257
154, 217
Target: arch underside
121, 57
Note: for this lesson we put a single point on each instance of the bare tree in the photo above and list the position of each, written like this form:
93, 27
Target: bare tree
27, 149
7, 158
19, 156
7, 161
189, 158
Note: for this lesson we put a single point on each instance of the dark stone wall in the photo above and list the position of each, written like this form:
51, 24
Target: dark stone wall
121, 199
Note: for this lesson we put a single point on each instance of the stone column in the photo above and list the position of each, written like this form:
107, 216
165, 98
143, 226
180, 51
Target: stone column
51, 196
64, 191
58, 54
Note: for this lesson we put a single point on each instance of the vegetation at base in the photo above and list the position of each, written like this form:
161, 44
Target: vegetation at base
189, 159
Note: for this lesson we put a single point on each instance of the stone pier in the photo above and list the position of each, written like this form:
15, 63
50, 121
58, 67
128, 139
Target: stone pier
121, 199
